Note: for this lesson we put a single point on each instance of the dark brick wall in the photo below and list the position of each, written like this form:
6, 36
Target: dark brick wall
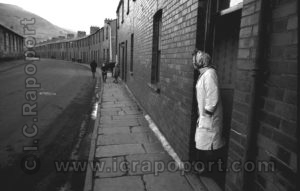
276, 108
171, 108
278, 114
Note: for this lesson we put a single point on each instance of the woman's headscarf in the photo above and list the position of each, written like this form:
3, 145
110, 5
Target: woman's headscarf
202, 59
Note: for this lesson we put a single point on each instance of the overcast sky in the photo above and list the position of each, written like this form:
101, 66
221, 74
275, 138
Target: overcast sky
70, 14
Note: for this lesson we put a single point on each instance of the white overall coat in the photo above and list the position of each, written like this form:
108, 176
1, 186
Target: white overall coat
208, 134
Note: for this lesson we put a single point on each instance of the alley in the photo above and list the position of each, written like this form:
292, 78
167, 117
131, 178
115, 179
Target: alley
133, 156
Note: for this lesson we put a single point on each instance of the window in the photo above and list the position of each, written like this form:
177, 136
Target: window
103, 54
123, 11
103, 35
13, 43
156, 49
5, 41
9, 42
128, 4
131, 53
106, 32
118, 19
107, 52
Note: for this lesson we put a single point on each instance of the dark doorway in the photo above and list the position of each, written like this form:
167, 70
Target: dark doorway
124, 60
221, 41
225, 57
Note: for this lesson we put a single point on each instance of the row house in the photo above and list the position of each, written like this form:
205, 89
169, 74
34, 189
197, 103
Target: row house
11, 44
253, 43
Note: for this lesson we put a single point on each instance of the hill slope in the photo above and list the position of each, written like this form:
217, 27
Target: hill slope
11, 15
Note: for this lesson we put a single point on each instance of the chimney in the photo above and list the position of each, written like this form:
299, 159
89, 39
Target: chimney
81, 34
93, 29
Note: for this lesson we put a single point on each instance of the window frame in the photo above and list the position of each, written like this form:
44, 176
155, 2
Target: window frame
156, 50
122, 11
131, 53
128, 6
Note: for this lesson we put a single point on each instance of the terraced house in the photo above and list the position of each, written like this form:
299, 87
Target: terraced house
11, 44
254, 45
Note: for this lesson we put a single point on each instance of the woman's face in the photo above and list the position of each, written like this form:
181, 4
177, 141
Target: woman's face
194, 61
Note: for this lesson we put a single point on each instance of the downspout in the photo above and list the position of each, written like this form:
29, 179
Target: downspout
257, 74
110, 44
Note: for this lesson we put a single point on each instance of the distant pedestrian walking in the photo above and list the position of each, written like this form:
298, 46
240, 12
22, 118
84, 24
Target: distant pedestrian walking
116, 72
208, 136
93, 65
104, 72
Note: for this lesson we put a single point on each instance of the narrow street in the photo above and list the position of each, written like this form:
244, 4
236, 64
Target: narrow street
63, 124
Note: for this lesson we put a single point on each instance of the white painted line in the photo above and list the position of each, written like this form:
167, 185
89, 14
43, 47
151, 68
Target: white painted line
95, 111
74, 154
48, 93
164, 142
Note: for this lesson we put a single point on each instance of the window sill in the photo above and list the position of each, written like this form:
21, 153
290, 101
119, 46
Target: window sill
154, 87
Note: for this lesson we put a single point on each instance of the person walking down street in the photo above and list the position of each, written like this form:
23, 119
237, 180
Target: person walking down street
116, 72
104, 72
93, 65
208, 137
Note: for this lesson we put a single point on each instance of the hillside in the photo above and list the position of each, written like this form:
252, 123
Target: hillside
10, 16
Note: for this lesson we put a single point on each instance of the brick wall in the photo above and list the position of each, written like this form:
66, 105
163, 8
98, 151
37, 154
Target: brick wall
171, 108
277, 139
276, 106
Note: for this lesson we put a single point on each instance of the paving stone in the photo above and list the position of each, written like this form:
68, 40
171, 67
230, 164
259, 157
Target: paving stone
126, 183
108, 99
106, 117
111, 167
109, 112
143, 121
167, 181
118, 150
131, 120
112, 109
139, 129
118, 117
154, 148
129, 112
112, 105
110, 120
139, 164
104, 103
119, 124
130, 138
114, 130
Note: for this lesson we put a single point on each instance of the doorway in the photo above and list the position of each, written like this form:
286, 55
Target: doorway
124, 61
221, 40
225, 58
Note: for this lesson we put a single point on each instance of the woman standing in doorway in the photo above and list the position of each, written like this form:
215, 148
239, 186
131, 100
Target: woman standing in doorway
208, 136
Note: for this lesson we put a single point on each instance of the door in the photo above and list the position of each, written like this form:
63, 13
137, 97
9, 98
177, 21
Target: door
220, 39
124, 60
225, 52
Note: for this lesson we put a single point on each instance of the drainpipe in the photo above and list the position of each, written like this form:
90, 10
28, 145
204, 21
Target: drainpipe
110, 43
258, 73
